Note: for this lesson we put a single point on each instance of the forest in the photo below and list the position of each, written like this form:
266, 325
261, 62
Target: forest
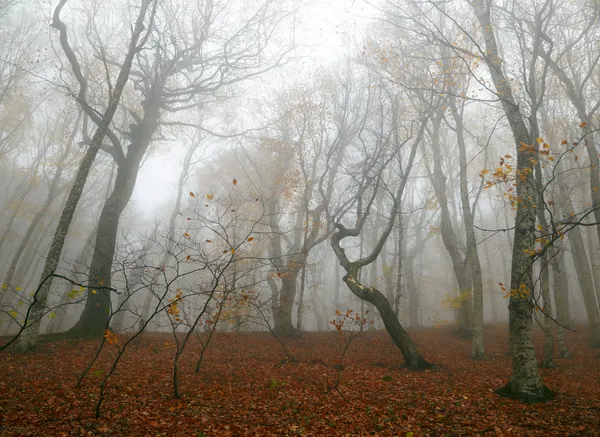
299, 217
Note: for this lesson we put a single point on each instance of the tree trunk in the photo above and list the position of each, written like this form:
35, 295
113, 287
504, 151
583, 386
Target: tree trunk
29, 338
472, 256
412, 357
525, 382
449, 236
584, 273
400, 266
283, 315
561, 290
413, 293
336, 290
97, 311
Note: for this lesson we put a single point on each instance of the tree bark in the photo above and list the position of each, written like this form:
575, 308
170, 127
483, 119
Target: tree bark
525, 383
97, 311
412, 357
29, 338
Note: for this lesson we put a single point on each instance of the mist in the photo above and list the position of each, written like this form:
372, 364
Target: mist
288, 200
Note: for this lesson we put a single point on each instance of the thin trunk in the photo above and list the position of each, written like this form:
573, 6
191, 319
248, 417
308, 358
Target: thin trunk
302, 277
336, 290
548, 323
449, 237
561, 291
413, 294
400, 267
472, 257
582, 267
53, 193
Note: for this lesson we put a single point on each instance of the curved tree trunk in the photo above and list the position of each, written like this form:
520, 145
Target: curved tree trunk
412, 357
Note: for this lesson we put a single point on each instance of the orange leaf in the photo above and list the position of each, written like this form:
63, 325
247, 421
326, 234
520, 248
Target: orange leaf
250, 238
209, 196
192, 195
208, 241
186, 235
583, 124
187, 258
234, 182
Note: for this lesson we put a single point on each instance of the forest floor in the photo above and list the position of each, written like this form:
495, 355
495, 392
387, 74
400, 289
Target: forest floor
246, 387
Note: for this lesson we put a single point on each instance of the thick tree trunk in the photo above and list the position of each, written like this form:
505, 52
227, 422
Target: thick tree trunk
283, 315
525, 382
97, 311
29, 340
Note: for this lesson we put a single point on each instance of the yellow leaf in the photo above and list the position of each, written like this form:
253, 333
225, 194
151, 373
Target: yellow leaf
94, 292
209, 196
14, 313
192, 195
232, 250
18, 289
234, 182
539, 140
4, 286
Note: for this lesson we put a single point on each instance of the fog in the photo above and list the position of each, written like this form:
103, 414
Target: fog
187, 169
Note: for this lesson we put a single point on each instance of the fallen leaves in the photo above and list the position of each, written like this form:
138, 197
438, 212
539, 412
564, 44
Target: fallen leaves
232, 394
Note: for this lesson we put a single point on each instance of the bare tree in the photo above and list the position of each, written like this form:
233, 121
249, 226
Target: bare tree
104, 120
